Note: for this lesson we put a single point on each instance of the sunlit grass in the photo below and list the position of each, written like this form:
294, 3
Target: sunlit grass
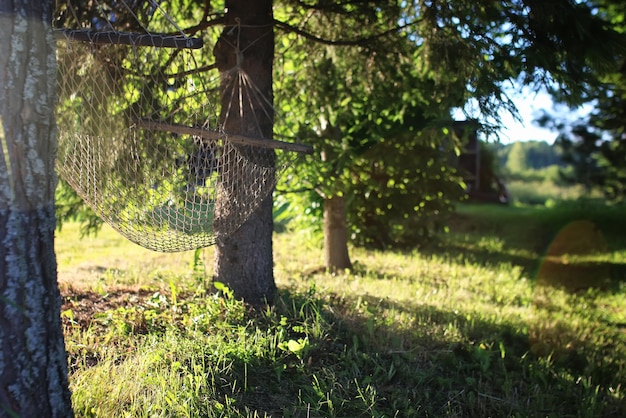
541, 192
456, 328
110, 259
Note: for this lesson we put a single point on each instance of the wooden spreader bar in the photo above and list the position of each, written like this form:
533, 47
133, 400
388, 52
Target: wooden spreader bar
236, 139
156, 40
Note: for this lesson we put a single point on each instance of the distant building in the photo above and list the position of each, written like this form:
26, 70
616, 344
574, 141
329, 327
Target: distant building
478, 173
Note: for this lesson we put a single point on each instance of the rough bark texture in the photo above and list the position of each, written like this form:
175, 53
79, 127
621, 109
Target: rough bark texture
336, 234
243, 260
33, 361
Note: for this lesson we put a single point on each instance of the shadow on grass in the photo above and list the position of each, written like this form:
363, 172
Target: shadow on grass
360, 360
526, 237
595, 271
332, 355
462, 251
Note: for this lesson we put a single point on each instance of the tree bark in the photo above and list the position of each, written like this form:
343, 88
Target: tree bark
243, 259
336, 234
33, 361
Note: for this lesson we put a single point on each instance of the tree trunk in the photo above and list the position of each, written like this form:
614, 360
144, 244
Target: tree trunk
336, 234
243, 260
33, 362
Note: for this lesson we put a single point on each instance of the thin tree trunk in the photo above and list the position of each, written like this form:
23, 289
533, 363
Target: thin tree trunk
243, 260
336, 234
33, 361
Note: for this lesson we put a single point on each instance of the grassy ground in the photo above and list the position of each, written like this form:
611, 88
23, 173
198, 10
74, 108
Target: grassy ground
539, 191
461, 328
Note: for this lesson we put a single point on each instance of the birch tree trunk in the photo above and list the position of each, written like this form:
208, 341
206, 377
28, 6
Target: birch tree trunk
33, 361
243, 260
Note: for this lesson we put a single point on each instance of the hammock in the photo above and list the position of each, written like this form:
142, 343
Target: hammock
139, 134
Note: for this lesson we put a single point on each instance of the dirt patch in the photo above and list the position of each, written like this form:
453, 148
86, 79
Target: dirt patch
85, 304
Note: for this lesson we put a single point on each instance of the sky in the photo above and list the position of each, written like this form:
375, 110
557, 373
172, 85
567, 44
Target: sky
530, 105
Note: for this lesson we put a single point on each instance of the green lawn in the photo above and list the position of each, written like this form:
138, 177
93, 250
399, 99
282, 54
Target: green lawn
461, 327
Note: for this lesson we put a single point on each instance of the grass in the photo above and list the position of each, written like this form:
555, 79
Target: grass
523, 235
458, 328
539, 191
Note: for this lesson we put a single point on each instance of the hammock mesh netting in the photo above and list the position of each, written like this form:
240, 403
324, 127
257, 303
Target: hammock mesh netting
139, 132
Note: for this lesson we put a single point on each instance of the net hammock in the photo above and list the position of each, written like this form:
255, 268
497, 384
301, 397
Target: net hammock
139, 132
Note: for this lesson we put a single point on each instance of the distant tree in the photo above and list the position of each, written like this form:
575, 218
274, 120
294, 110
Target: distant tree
588, 156
517, 158
522, 157
364, 108
540, 154
33, 382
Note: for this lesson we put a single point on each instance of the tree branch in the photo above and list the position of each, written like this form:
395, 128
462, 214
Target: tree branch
338, 42
204, 24
300, 190
214, 135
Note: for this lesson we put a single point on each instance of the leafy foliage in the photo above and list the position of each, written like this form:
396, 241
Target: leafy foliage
405, 187
580, 149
